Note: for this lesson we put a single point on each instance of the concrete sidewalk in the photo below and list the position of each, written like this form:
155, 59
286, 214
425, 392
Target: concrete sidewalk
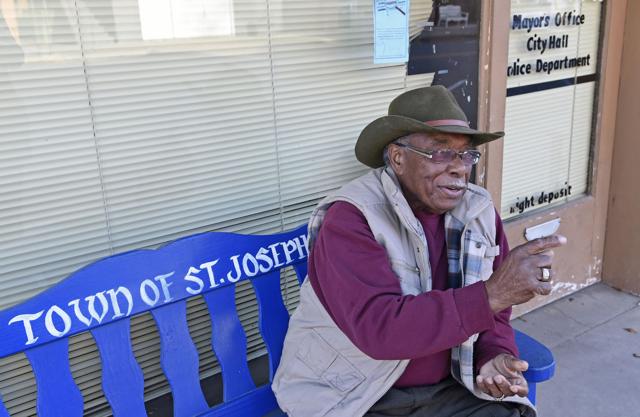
595, 337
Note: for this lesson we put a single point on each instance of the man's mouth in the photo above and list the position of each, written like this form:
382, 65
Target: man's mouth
454, 190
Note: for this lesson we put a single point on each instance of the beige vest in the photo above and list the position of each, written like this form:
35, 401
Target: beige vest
321, 372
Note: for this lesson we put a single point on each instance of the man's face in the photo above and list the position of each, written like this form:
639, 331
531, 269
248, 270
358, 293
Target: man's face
427, 185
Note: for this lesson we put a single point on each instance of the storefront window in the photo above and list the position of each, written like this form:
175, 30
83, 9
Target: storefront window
126, 124
445, 44
552, 79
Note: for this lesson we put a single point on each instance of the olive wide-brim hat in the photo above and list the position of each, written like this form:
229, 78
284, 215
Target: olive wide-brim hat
423, 110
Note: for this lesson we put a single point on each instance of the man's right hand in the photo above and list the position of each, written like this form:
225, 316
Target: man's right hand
518, 279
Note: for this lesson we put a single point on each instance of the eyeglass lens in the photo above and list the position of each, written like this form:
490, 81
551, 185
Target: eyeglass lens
447, 155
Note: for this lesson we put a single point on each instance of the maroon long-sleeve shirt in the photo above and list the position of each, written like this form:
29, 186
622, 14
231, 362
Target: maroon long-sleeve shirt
350, 272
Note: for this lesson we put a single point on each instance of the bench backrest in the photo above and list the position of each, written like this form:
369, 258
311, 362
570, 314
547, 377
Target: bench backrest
450, 11
103, 296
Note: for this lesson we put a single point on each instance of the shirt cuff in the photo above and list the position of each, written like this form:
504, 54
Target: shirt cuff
473, 307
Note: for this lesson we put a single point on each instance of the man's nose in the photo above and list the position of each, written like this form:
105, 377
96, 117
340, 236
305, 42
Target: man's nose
457, 167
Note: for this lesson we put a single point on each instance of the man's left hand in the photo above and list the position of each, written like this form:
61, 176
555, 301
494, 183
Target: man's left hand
502, 377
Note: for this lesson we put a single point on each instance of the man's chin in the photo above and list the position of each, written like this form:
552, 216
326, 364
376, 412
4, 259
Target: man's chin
449, 201
442, 205
451, 204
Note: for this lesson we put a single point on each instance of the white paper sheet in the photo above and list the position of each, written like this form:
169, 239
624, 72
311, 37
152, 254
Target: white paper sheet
391, 31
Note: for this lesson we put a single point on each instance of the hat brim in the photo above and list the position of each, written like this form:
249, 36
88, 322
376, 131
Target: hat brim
384, 130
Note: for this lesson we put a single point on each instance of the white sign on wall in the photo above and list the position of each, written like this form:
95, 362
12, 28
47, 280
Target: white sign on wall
551, 82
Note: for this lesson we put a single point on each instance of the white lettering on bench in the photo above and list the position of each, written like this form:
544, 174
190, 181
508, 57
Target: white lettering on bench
26, 320
162, 279
48, 321
192, 278
113, 294
262, 256
58, 322
305, 242
246, 259
262, 262
274, 254
287, 252
91, 301
92, 306
299, 246
147, 283
104, 303
236, 266
212, 277
295, 245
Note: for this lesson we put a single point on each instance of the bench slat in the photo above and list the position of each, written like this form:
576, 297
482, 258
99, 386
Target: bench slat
258, 403
274, 317
301, 271
122, 378
3, 410
229, 343
179, 359
58, 395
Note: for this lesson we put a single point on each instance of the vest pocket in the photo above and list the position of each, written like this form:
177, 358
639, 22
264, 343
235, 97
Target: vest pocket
479, 258
487, 267
408, 275
327, 364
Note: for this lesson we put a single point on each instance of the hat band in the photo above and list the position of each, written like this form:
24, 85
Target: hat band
447, 122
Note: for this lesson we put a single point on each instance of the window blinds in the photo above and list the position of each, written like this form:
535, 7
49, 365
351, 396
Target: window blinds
117, 133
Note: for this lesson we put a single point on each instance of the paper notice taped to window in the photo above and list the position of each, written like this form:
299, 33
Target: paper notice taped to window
391, 31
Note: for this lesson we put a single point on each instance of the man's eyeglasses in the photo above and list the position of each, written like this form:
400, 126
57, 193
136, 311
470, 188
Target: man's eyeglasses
445, 156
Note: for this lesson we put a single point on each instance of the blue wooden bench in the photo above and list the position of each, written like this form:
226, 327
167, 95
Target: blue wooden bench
102, 297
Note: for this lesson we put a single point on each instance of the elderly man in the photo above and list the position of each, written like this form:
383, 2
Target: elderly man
406, 308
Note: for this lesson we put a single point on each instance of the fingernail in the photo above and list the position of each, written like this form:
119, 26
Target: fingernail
562, 239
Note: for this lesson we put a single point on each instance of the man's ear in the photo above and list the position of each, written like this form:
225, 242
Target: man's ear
396, 158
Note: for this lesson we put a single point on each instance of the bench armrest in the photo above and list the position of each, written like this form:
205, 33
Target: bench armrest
542, 366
